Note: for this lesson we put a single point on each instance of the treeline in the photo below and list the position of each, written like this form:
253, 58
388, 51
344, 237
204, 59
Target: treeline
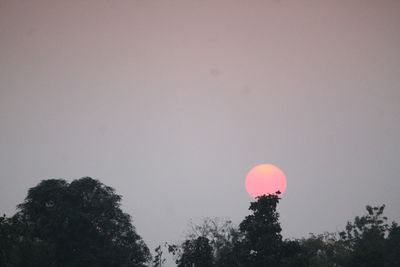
368, 241
80, 224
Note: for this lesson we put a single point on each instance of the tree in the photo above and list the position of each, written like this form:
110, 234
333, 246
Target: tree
367, 241
366, 238
79, 224
293, 255
325, 250
221, 233
216, 234
262, 242
196, 253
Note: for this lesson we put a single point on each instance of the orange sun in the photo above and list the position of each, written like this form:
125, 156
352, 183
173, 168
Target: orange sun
265, 179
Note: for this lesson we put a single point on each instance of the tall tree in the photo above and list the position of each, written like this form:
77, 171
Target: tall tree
80, 224
262, 241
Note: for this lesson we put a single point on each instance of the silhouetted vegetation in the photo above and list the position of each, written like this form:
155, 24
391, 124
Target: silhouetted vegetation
76, 224
80, 224
256, 242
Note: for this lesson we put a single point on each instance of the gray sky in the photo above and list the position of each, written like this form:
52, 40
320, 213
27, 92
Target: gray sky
172, 102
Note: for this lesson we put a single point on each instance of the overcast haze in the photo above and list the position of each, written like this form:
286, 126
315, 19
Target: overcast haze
172, 102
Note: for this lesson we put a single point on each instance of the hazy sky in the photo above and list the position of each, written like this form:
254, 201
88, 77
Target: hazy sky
172, 102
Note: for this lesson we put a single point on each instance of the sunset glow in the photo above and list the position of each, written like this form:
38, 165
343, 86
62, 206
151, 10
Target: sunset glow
265, 179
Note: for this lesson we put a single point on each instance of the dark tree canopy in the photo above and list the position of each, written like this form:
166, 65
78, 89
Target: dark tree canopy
262, 239
81, 224
76, 224
368, 241
257, 242
196, 252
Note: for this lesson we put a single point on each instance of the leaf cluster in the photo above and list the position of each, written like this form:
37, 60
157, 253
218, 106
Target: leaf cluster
77, 224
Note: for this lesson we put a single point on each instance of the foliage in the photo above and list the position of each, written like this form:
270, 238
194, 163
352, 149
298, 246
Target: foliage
257, 241
292, 254
262, 239
368, 241
366, 238
325, 250
392, 246
197, 252
158, 260
8, 241
81, 224
76, 224
222, 235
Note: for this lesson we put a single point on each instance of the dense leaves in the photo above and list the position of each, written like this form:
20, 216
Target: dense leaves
262, 239
256, 242
76, 224
80, 224
369, 241
197, 252
366, 238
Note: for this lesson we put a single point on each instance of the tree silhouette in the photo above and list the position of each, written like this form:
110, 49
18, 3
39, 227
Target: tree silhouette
325, 250
81, 224
221, 233
366, 238
368, 241
78, 224
196, 253
262, 239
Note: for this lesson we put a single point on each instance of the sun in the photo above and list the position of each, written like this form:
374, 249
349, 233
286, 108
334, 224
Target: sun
265, 179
